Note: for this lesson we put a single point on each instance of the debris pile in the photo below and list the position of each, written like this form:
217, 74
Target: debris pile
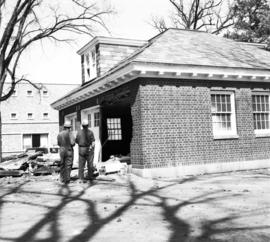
120, 164
37, 162
42, 161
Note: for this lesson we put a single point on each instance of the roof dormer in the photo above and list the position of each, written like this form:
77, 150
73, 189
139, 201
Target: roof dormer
103, 53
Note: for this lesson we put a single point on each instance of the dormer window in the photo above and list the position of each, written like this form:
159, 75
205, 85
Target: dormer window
89, 62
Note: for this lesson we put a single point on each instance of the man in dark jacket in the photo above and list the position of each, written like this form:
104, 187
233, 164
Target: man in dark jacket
66, 142
86, 141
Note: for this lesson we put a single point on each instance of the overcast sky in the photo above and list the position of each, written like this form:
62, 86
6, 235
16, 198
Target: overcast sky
59, 63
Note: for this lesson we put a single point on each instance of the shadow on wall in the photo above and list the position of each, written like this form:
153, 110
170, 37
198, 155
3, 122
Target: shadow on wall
180, 230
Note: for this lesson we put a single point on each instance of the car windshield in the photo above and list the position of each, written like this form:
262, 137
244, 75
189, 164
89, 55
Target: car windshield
54, 150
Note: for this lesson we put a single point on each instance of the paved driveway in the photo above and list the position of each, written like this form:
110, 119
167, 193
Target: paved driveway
220, 207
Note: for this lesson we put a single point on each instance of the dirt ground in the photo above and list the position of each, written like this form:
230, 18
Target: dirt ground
219, 207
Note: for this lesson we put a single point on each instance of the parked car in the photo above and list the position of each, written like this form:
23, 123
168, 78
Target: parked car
37, 149
52, 156
35, 152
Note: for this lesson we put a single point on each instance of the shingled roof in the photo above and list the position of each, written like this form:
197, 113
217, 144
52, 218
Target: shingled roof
183, 55
189, 47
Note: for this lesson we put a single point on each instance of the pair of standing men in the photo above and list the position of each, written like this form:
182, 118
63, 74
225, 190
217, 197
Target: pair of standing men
66, 141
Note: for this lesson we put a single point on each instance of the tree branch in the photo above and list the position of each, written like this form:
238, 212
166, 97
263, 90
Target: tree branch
202, 14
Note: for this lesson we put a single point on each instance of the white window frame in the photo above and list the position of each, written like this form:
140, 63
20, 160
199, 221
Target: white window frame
72, 117
114, 127
91, 111
223, 134
261, 132
89, 118
90, 64
96, 120
15, 118
93, 63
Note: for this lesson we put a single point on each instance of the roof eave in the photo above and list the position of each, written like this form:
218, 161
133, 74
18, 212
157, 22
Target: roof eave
135, 70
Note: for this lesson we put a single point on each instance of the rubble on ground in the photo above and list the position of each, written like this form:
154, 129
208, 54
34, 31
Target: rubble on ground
114, 164
37, 162
31, 162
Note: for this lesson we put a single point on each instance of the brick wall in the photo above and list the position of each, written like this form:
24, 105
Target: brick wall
176, 126
171, 123
136, 151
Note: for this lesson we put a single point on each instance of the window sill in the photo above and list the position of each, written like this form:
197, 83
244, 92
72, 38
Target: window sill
230, 136
262, 135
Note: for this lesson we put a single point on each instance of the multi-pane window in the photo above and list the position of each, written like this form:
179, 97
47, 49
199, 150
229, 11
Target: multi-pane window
89, 65
72, 118
93, 64
96, 119
89, 120
45, 115
29, 93
45, 93
72, 124
223, 113
114, 129
260, 106
13, 116
30, 116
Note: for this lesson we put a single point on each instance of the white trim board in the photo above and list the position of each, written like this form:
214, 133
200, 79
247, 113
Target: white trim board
119, 76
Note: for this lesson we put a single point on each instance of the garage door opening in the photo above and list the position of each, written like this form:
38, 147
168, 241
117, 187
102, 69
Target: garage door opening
35, 140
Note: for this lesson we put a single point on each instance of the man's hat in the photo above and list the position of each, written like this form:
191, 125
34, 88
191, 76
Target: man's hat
85, 122
67, 124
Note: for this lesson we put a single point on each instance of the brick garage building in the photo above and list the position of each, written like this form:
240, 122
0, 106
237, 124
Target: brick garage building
184, 102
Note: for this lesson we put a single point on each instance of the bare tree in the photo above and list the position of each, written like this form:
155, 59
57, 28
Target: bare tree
209, 15
25, 22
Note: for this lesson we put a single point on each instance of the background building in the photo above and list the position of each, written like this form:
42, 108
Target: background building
28, 119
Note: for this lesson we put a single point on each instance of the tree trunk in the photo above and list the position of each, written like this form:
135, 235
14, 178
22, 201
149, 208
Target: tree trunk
0, 135
2, 81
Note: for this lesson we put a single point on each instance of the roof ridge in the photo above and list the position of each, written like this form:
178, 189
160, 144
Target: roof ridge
137, 52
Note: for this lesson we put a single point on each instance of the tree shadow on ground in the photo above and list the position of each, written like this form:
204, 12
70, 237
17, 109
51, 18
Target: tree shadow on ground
8, 191
180, 228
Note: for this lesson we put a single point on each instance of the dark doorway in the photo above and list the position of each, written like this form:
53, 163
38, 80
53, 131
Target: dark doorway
35, 140
116, 133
